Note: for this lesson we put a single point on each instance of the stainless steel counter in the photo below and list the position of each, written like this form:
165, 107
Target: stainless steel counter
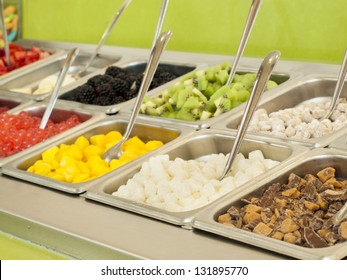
86, 230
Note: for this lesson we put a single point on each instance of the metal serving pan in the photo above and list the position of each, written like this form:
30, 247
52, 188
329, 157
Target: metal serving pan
197, 145
308, 87
59, 113
13, 101
138, 66
146, 132
310, 162
33, 78
280, 78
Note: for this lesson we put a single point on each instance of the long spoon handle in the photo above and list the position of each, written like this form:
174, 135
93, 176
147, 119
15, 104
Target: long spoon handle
148, 76
253, 11
105, 35
263, 76
67, 63
338, 88
4, 33
163, 10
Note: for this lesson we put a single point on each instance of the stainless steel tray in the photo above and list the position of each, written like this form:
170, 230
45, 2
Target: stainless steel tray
59, 113
305, 88
309, 162
27, 69
32, 79
282, 78
138, 66
339, 143
200, 143
154, 131
13, 101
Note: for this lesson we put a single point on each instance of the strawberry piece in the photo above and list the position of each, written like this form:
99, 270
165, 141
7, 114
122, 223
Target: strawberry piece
20, 55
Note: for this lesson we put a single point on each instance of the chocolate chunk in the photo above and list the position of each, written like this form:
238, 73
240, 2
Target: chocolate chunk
315, 223
332, 195
262, 229
266, 214
313, 239
310, 190
326, 174
294, 181
334, 182
288, 225
269, 194
332, 237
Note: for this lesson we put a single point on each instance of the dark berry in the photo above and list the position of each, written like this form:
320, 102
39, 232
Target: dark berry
114, 71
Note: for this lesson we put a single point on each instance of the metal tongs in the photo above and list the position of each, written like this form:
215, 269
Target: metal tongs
253, 11
262, 78
4, 33
67, 63
115, 152
103, 39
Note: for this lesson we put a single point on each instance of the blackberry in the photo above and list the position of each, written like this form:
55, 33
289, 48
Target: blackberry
84, 94
130, 95
104, 89
98, 80
120, 86
114, 71
102, 101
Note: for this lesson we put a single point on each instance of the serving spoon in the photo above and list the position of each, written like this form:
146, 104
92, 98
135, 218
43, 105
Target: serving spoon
337, 91
67, 63
4, 33
103, 39
253, 11
115, 152
262, 78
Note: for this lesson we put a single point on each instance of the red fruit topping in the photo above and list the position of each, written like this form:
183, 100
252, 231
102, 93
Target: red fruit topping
19, 132
20, 57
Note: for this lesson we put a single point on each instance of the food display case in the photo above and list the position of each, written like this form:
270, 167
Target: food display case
84, 220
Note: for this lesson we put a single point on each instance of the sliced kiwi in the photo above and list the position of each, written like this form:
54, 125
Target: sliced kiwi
182, 97
224, 105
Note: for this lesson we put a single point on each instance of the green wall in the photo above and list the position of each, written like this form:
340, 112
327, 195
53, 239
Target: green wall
306, 30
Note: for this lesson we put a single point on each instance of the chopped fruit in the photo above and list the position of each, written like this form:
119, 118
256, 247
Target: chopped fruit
19, 132
82, 161
202, 94
19, 57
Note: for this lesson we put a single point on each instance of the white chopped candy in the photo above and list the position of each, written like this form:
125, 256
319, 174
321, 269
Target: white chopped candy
185, 185
208, 190
290, 131
265, 125
150, 188
269, 163
154, 199
183, 190
255, 155
241, 178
